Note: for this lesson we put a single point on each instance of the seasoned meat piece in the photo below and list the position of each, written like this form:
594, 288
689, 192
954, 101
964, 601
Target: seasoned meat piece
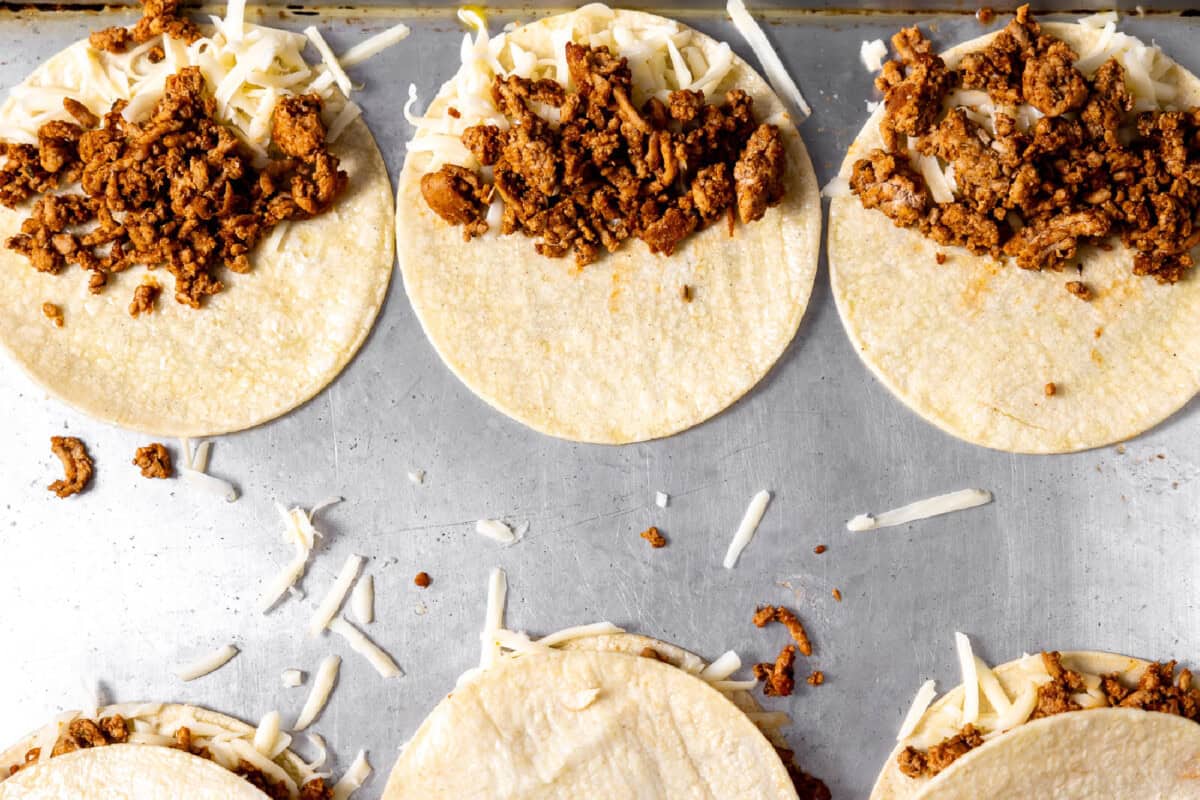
316, 789
422, 580
764, 615
655, 538
81, 734
276, 790
778, 678
913, 88
961, 226
80, 112
144, 297
154, 460
115, 729
883, 181
112, 40
1054, 696
664, 235
485, 142
77, 466
916, 764
998, 68
158, 17
1050, 82
296, 127
1080, 290
1107, 104
53, 313
686, 106
456, 194
712, 191
1158, 689
758, 174
1049, 242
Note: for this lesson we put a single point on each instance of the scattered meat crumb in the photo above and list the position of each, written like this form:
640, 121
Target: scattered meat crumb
144, 297
820, 549
423, 580
940, 258
816, 678
837, 594
453, 112
916, 764
53, 313
768, 614
655, 538
777, 678
1051, 389
154, 460
77, 466
1080, 290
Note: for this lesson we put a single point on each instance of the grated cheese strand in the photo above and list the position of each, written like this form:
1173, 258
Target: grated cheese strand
353, 778
318, 695
493, 619
767, 56
359, 642
332, 602
922, 509
322, 756
362, 600
207, 664
495, 530
728, 663
970, 676
373, 46
747, 528
329, 59
920, 705
579, 632
267, 733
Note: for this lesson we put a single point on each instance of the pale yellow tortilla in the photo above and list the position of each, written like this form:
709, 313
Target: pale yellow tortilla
1076, 740
612, 354
523, 729
168, 716
274, 338
127, 772
970, 344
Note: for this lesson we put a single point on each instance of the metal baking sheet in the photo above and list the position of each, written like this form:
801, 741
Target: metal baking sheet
1095, 550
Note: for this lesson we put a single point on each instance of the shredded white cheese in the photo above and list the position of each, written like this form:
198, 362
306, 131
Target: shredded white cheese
417, 476
746, 530
728, 663
359, 642
970, 677
317, 741
920, 705
373, 46
362, 600
292, 678
496, 530
329, 59
267, 733
332, 602
206, 664
210, 483
493, 618
318, 695
872, 54
661, 499
922, 509
773, 68
579, 632
353, 778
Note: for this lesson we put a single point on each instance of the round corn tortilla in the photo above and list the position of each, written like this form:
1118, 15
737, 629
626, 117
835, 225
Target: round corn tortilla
611, 353
1100, 753
270, 341
165, 715
530, 727
971, 344
127, 772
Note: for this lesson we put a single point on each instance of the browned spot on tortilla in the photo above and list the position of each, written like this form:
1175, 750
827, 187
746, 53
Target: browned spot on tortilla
1097, 359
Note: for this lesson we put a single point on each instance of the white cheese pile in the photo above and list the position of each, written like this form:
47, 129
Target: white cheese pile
299, 532
662, 54
872, 54
921, 509
206, 664
247, 68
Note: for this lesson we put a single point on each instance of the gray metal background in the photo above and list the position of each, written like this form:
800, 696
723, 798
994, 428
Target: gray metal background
1096, 550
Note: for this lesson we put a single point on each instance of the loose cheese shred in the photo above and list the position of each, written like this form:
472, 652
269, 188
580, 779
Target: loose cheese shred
235, 20
493, 618
728, 663
292, 678
992, 690
417, 476
322, 756
298, 531
579, 632
318, 695
496, 530
872, 54
373, 46
920, 705
353, 778
745, 531
773, 68
362, 600
329, 60
359, 642
267, 733
206, 664
970, 677
661, 499
210, 483
922, 509
733, 686
332, 602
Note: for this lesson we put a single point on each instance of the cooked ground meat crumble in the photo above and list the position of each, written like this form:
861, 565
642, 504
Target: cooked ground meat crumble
768, 614
53, 313
423, 580
154, 460
608, 171
1158, 689
778, 678
655, 538
175, 190
77, 465
1086, 170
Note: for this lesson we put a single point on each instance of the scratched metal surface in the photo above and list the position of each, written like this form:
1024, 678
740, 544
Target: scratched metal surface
1097, 550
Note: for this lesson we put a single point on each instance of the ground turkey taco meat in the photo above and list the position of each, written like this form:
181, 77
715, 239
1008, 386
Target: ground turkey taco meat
77, 465
1063, 162
176, 190
154, 460
607, 171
